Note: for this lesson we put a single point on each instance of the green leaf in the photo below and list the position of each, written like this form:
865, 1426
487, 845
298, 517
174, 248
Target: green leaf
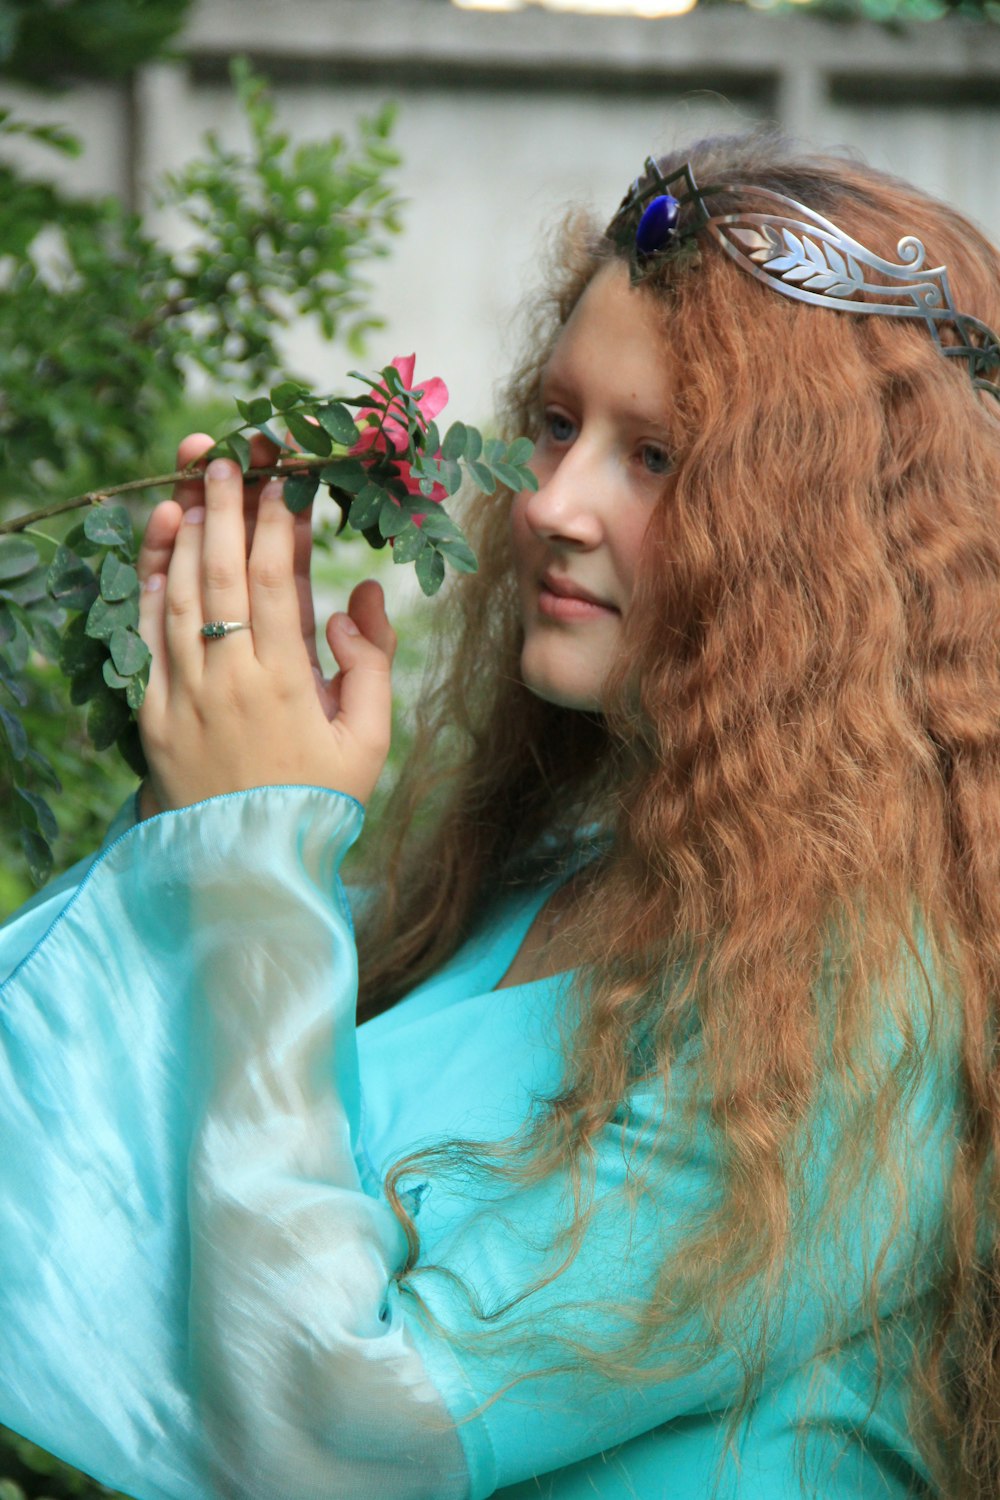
106, 718
483, 477
391, 519
44, 635
110, 526
430, 570
86, 685
37, 854
455, 440
509, 476
528, 478
235, 446
460, 555
520, 451
392, 380
299, 491
105, 616
79, 652
44, 770
266, 430
408, 544
77, 541
346, 473
439, 526
366, 508
473, 443
14, 733
119, 580
286, 394
70, 581
38, 814
309, 435
129, 651
493, 450
18, 557
431, 440
14, 639
112, 678
129, 746
13, 685
337, 421
135, 693
27, 591
451, 476
257, 411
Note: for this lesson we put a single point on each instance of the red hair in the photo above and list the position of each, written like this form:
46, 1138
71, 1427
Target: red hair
800, 766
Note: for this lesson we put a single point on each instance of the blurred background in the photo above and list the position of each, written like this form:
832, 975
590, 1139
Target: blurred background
509, 112
180, 253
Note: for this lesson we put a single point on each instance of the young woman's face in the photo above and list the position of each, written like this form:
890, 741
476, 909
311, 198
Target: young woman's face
602, 460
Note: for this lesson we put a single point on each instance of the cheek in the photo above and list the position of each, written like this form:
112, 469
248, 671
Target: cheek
522, 538
631, 541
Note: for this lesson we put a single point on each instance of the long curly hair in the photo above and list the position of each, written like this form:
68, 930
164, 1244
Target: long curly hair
798, 769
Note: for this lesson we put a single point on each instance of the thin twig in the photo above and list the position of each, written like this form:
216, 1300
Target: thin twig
297, 465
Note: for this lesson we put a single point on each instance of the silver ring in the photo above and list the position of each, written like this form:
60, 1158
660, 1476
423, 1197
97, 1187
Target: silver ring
214, 630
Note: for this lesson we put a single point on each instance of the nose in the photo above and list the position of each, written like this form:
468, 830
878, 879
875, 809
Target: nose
567, 507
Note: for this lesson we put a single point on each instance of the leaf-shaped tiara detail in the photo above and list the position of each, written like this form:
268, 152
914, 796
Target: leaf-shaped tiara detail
802, 255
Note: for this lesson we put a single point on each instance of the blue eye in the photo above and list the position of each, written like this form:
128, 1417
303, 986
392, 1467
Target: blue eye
656, 460
560, 428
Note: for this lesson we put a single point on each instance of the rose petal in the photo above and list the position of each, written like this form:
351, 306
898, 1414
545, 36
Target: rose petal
437, 494
434, 399
405, 363
394, 432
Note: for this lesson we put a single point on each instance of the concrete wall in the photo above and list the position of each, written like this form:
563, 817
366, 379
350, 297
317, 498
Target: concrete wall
505, 119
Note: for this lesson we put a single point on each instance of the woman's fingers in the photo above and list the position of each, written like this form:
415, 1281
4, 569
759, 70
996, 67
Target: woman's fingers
263, 455
365, 706
183, 609
274, 603
158, 540
188, 492
367, 608
224, 593
151, 628
302, 569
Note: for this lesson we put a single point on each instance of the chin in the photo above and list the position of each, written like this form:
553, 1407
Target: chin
566, 688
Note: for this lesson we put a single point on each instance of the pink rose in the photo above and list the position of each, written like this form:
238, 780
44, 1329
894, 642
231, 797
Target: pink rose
392, 436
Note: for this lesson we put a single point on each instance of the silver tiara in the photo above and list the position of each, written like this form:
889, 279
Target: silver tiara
798, 253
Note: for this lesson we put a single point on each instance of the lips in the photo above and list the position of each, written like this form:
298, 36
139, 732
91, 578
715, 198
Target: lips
564, 600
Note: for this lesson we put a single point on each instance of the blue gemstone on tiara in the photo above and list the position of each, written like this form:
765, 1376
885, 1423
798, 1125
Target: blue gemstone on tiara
657, 225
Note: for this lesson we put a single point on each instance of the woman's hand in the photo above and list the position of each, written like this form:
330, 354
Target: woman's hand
251, 709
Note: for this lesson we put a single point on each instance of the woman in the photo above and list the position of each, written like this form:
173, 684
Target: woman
664, 1161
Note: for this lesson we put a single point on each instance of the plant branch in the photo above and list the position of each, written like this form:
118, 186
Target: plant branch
98, 497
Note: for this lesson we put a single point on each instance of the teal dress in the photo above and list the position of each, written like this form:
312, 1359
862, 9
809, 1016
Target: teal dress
198, 1267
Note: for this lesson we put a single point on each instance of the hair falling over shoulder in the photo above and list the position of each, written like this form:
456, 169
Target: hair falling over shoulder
800, 768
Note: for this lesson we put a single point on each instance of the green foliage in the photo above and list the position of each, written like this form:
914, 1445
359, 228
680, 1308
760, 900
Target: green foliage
101, 326
284, 222
47, 41
375, 496
81, 611
31, 1471
100, 329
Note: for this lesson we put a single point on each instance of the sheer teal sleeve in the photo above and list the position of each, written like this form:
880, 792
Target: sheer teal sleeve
194, 1287
199, 1277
